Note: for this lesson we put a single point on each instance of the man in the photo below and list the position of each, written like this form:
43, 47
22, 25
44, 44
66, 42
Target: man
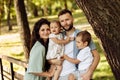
66, 21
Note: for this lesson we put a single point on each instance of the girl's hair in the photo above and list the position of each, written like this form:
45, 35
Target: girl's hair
36, 37
56, 21
85, 36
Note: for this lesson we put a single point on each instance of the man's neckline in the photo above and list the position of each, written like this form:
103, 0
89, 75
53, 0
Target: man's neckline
70, 32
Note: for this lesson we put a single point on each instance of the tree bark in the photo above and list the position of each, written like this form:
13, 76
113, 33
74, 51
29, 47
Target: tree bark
8, 16
65, 4
104, 17
24, 26
0, 23
35, 11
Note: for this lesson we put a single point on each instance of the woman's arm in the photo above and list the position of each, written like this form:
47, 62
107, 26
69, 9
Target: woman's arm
43, 74
72, 60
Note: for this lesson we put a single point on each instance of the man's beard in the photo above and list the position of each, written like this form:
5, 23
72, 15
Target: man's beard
71, 26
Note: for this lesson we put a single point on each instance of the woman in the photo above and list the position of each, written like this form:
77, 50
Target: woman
38, 66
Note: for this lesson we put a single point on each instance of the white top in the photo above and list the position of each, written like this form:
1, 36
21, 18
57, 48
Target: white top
85, 57
68, 67
54, 50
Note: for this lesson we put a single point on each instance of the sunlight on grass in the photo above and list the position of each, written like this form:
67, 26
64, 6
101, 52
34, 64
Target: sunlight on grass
10, 44
103, 71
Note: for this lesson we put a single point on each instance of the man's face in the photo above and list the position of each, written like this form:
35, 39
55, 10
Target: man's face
66, 21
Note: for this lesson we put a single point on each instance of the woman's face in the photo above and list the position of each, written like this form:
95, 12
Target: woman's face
44, 32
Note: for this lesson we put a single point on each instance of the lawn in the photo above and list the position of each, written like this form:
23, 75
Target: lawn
10, 44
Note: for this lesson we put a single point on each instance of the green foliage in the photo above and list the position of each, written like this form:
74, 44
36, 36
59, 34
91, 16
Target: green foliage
52, 6
79, 17
17, 56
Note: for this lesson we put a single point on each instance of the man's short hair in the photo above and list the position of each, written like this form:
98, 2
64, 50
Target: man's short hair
64, 11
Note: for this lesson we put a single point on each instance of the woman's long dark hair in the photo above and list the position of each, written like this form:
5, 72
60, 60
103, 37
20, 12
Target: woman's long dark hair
36, 37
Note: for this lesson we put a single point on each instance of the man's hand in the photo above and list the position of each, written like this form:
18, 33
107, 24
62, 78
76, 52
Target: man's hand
86, 76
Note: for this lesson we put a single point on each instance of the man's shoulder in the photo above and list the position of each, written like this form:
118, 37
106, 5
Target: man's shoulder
77, 30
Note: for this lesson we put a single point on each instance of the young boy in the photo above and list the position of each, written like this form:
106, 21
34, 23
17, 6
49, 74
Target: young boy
84, 57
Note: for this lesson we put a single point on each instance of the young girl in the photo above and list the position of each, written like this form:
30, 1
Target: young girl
56, 46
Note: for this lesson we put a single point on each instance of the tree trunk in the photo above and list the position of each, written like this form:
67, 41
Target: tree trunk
2, 13
35, 11
8, 15
104, 16
45, 11
23, 23
0, 22
65, 4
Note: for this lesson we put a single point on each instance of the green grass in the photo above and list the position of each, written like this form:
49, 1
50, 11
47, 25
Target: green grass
103, 71
11, 45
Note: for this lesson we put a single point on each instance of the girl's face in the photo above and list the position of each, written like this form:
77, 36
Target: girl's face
79, 43
44, 32
54, 28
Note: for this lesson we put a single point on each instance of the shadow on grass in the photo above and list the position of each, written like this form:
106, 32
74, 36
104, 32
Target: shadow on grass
104, 78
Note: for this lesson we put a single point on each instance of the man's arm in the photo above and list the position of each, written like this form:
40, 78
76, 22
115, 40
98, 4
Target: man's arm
96, 56
95, 60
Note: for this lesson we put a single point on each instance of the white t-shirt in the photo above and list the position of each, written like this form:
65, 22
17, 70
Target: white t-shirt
85, 57
68, 67
55, 50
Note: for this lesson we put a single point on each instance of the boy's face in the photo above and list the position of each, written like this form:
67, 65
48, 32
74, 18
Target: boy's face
55, 28
79, 43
